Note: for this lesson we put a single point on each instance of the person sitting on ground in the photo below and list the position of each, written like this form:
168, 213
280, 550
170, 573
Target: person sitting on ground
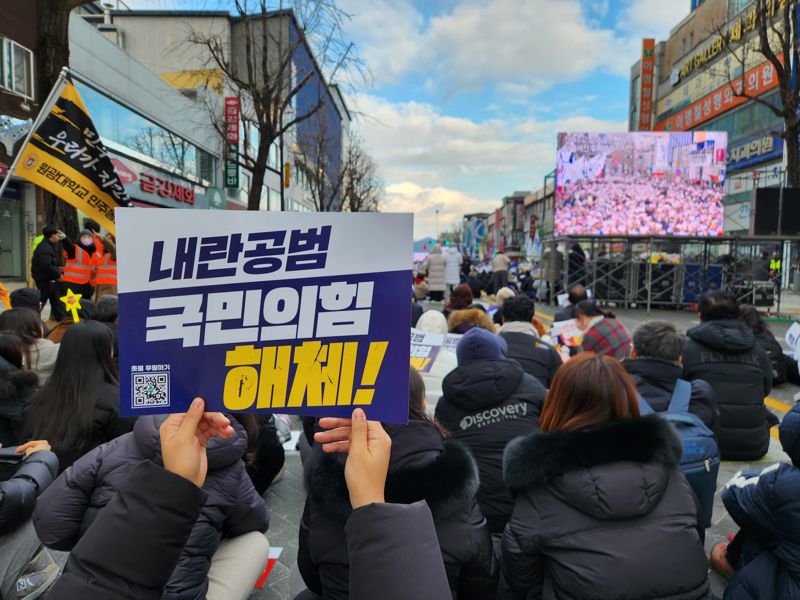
500, 299
29, 298
460, 298
38, 354
461, 321
525, 346
602, 332
107, 312
445, 362
761, 561
488, 401
17, 384
78, 408
723, 351
26, 472
228, 532
780, 362
86, 312
423, 466
656, 365
264, 457
601, 505
577, 294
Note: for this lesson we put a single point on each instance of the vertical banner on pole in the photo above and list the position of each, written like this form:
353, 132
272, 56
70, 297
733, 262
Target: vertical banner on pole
647, 84
232, 115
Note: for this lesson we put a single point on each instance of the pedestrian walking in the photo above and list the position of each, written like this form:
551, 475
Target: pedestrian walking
46, 271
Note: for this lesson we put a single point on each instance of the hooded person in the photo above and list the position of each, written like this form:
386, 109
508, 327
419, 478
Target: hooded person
762, 559
488, 401
423, 465
723, 351
232, 508
432, 321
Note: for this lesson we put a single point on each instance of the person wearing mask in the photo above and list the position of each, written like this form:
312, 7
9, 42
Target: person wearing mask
452, 268
460, 299
233, 510
656, 365
577, 293
46, 271
500, 267
488, 401
761, 267
86, 312
17, 384
104, 267
26, 472
433, 321
602, 332
423, 467
601, 509
537, 358
38, 354
77, 274
750, 316
723, 351
29, 298
435, 266
78, 408
761, 561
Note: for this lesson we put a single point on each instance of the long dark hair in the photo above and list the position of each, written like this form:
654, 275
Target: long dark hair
252, 428
588, 390
26, 325
416, 394
587, 308
750, 316
65, 404
11, 348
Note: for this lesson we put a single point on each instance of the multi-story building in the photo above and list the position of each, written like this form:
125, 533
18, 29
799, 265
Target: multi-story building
162, 41
694, 90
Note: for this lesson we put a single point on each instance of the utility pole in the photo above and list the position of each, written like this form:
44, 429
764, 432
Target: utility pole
437, 224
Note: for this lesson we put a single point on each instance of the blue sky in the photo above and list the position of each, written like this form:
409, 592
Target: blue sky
468, 95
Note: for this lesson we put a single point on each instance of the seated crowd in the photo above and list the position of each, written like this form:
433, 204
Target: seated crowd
525, 471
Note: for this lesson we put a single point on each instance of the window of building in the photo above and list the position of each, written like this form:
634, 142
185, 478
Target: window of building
737, 6
127, 131
16, 68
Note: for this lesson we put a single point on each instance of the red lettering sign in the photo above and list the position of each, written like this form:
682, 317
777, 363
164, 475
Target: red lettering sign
232, 111
646, 90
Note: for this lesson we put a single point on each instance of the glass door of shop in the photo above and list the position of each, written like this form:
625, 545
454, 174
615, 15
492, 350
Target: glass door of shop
11, 240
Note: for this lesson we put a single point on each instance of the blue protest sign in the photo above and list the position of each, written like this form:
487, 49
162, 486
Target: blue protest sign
299, 313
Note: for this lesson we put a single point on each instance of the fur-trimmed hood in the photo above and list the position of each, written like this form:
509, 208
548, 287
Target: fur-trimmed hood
461, 321
618, 470
422, 467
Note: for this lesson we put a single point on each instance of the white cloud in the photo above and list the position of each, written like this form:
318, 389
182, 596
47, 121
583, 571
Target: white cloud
653, 18
424, 202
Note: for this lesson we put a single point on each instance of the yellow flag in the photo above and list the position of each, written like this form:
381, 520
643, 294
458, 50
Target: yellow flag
64, 155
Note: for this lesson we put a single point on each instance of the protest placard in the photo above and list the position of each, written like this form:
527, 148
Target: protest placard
793, 339
277, 312
424, 349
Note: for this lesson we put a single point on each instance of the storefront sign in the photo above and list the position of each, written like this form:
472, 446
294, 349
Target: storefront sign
148, 184
756, 82
754, 150
646, 91
216, 199
232, 110
263, 311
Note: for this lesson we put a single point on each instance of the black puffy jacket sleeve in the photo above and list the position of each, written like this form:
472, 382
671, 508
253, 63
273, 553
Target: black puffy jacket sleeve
18, 494
132, 547
523, 564
478, 577
394, 553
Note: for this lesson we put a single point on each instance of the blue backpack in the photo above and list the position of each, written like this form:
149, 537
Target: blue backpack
700, 459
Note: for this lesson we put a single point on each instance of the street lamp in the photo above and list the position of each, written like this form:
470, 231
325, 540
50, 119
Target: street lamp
437, 224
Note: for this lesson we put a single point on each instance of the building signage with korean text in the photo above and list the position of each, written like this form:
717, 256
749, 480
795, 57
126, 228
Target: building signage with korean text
232, 114
754, 150
647, 83
264, 312
148, 184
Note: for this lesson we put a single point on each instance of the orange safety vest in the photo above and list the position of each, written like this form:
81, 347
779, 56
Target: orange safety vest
106, 273
79, 269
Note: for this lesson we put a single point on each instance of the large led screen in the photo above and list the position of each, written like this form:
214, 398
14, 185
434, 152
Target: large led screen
627, 184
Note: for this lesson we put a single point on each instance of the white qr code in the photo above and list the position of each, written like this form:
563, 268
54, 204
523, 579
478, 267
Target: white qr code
150, 389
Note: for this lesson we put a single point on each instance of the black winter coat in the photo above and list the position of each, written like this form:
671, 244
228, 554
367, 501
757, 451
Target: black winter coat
106, 423
423, 466
536, 357
45, 262
233, 508
655, 381
725, 354
18, 493
16, 386
602, 513
486, 404
774, 351
123, 555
